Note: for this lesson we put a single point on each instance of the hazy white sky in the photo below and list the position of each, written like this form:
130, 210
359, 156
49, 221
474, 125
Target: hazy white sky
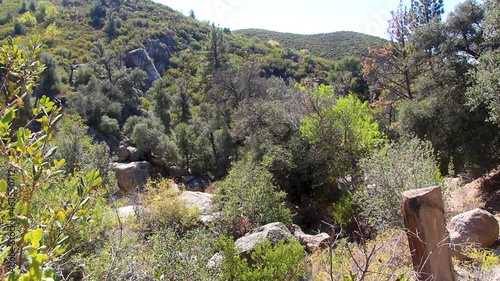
297, 16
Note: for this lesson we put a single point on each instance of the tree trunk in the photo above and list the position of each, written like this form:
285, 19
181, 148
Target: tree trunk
423, 214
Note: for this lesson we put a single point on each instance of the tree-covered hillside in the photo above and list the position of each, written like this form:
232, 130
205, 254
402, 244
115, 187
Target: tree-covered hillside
335, 45
70, 30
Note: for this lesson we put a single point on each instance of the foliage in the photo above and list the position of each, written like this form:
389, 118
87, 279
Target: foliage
248, 198
384, 258
80, 151
335, 45
85, 235
147, 134
485, 90
345, 132
50, 76
30, 243
419, 54
186, 257
216, 50
425, 11
396, 167
165, 210
482, 265
348, 78
283, 261
345, 209
161, 102
392, 69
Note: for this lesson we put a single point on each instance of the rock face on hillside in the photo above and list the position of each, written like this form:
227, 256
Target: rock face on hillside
132, 175
312, 242
140, 58
476, 227
160, 50
273, 232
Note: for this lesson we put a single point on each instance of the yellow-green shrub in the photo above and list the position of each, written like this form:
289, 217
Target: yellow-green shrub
162, 209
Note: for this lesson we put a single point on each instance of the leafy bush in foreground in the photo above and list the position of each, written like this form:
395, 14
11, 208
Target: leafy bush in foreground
249, 199
397, 167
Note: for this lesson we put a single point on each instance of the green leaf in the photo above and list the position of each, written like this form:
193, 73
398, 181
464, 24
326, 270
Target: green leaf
56, 119
25, 209
3, 186
48, 274
80, 188
59, 163
4, 254
85, 201
61, 216
34, 237
51, 152
20, 145
9, 116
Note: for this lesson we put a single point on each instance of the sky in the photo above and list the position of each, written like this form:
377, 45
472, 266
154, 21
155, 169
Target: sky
297, 16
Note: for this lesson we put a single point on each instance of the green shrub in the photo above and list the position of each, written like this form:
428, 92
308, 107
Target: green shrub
283, 261
164, 209
27, 19
109, 126
249, 199
34, 234
183, 257
409, 164
20, 28
148, 136
83, 75
344, 210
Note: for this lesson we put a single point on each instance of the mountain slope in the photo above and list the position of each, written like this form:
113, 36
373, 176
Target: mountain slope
335, 45
73, 29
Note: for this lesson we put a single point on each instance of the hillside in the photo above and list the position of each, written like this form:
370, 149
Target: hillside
335, 45
70, 30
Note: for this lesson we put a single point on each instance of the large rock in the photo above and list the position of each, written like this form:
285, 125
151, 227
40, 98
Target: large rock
132, 175
476, 227
140, 58
135, 154
202, 201
129, 211
273, 232
312, 242
160, 50
122, 154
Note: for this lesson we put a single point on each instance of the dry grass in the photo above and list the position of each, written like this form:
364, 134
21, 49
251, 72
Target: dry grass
385, 258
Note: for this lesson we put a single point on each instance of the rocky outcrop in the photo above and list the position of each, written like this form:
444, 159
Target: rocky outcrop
129, 154
122, 154
274, 232
312, 242
140, 58
132, 175
160, 51
202, 201
476, 227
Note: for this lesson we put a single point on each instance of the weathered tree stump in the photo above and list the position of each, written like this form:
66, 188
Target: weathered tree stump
423, 214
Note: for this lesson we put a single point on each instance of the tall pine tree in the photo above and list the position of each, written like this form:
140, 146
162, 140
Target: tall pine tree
426, 10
